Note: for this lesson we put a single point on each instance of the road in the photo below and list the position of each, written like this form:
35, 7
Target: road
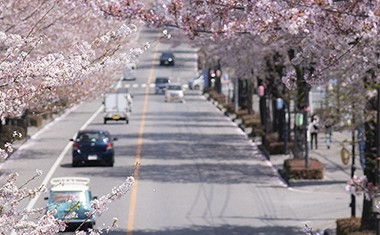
198, 173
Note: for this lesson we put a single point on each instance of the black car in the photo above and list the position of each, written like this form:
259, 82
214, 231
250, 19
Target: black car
92, 146
167, 58
160, 84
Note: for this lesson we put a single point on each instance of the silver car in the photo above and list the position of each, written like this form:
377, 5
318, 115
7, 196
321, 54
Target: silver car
174, 92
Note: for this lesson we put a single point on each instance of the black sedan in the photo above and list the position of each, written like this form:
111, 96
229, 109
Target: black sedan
167, 58
92, 146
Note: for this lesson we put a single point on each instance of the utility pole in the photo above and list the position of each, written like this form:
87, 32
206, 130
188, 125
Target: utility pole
236, 101
306, 117
353, 168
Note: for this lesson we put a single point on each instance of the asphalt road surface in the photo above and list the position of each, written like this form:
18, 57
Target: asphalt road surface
198, 173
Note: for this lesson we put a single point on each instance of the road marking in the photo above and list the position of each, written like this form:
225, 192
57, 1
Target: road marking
48, 176
59, 160
132, 201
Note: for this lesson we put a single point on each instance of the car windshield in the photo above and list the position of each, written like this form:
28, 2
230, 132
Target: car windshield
68, 196
175, 87
167, 54
162, 80
92, 137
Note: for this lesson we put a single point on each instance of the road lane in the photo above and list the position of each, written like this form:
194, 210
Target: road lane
51, 171
199, 173
132, 202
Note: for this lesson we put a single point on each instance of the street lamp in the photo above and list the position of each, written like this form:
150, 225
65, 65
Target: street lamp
263, 109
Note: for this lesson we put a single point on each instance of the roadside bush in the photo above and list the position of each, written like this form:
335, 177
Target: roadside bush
9, 134
351, 226
251, 120
230, 108
220, 98
36, 120
274, 146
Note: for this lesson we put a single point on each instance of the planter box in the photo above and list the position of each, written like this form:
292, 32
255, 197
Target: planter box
295, 169
278, 147
35, 121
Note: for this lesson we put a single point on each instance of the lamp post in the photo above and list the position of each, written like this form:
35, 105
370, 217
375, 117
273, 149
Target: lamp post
263, 109
236, 97
306, 110
353, 168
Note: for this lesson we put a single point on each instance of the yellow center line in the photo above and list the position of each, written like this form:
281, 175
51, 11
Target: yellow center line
132, 201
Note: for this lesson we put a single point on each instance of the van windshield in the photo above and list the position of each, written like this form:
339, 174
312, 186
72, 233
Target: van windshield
175, 87
162, 80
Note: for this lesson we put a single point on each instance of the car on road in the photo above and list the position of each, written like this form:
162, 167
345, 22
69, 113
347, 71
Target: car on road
167, 58
160, 84
174, 92
196, 83
129, 73
93, 146
68, 196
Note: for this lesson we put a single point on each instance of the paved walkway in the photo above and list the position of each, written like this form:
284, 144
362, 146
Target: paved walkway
335, 171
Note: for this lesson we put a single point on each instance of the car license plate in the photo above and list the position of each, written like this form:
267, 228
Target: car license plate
115, 117
92, 157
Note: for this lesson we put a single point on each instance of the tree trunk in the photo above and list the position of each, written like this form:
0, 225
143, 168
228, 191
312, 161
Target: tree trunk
250, 91
368, 220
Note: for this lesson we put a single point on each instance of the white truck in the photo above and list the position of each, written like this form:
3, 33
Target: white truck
117, 106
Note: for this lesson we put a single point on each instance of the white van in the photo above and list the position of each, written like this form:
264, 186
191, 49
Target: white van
129, 73
197, 83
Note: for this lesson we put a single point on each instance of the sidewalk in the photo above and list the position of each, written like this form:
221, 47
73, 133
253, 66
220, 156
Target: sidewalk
335, 171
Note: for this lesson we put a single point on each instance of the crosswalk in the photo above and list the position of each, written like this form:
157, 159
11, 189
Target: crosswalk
144, 85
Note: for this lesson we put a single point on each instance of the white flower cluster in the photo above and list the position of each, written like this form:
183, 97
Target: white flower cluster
35, 221
290, 80
13, 218
358, 185
101, 205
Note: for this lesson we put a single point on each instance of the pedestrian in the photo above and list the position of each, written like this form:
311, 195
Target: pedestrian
328, 132
313, 129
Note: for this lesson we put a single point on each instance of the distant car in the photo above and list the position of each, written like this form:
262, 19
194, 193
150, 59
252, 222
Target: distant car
174, 92
129, 73
93, 146
196, 83
167, 58
69, 195
160, 84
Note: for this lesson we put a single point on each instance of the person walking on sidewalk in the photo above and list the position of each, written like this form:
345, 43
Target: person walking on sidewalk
328, 132
313, 129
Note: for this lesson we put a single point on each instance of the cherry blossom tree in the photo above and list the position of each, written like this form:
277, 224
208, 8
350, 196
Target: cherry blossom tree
324, 37
49, 50
44, 57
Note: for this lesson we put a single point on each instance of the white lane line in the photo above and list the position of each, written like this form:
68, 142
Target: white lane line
59, 160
